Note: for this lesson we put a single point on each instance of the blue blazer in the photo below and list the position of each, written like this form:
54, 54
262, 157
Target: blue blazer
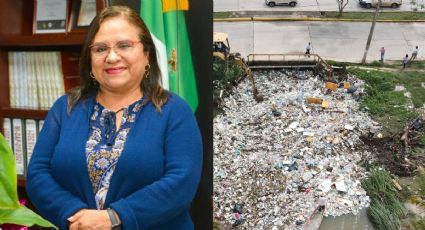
155, 179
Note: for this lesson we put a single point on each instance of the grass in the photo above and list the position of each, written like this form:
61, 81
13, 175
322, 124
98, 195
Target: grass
419, 65
415, 65
419, 224
226, 14
385, 208
414, 193
226, 72
423, 139
386, 105
415, 221
413, 82
368, 16
382, 217
225, 76
421, 183
397, 16
418, 95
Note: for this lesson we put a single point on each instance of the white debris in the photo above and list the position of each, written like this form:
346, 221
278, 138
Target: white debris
310, 134
277, 167
349, 127
293, 125
340, 185
325, 185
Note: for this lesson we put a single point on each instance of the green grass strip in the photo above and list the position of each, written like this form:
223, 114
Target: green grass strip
394, 16
368, 16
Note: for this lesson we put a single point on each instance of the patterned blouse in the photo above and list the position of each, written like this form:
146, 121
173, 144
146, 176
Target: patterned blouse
105, 145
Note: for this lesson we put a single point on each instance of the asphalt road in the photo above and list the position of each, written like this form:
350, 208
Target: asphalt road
340, 41
303, 5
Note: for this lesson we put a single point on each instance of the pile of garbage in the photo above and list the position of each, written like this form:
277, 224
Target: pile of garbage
275, 160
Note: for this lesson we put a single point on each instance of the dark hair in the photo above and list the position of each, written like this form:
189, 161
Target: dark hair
151, 86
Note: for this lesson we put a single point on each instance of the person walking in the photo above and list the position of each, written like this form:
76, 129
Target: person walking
415, 53
307, 49
405, 60
382, 51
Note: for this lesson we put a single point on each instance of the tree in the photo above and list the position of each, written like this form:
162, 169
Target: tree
372, 28
341, 5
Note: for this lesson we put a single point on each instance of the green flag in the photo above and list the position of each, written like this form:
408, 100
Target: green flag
166, 22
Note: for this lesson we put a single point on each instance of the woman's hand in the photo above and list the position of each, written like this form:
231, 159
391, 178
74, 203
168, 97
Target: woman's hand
90, 219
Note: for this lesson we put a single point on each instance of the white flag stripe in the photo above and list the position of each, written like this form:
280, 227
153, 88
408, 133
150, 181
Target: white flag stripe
161, 54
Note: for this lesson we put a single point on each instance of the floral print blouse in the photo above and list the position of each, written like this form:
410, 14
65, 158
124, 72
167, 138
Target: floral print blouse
105, 145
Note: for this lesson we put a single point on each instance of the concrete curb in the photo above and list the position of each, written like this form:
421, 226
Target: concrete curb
307, 19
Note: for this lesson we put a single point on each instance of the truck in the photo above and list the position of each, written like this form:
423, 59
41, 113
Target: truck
221, 50
384, 3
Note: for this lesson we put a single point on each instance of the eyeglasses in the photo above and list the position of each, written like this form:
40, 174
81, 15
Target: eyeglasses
122, 48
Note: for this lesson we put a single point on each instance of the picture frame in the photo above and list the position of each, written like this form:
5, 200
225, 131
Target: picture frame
50, 16
82, 13
86, 12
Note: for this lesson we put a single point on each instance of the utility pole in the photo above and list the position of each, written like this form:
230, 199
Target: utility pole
372, 28
253, 36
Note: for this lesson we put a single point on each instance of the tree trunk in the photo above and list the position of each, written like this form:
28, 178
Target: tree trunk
341, 6
372, 28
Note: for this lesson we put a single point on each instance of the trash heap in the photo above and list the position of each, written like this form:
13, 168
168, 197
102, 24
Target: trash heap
274, 160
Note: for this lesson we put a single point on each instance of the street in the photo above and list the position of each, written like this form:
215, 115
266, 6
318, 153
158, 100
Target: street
340, 41
303, 5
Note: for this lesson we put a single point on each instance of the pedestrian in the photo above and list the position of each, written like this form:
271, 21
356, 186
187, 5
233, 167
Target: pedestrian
415, 53
405, 60
382, 51
307, 49
119, 151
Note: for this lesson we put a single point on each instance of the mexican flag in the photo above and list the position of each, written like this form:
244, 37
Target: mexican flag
166, 22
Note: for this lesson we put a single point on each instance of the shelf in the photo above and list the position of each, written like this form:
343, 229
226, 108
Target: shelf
24, 113
74, 39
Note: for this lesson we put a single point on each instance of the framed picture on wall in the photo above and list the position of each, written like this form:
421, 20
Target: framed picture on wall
82, 13
50, 16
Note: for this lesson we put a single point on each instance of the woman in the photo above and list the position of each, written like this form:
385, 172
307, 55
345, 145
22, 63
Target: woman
118, 152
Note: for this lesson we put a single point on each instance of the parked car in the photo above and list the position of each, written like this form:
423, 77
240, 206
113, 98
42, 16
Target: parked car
374, 3
273, 3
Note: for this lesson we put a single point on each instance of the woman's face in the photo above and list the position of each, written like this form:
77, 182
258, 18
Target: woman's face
117, 56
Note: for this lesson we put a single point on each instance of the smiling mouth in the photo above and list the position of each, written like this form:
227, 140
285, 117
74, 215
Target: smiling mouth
114, 70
